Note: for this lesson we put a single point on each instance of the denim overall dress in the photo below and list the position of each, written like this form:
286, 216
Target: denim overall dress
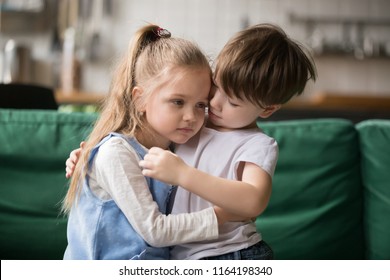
97, 229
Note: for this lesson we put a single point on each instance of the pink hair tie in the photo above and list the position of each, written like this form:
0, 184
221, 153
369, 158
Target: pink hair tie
162, 33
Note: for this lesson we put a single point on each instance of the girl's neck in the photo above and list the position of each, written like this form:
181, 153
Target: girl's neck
148, 139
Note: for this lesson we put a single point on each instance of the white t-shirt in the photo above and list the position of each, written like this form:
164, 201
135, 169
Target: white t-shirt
115, 174
219, 154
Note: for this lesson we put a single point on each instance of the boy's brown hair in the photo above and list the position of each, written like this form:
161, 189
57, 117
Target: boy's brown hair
263, 65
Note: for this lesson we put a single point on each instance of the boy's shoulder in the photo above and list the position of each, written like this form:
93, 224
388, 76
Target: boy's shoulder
245, 132
238, 135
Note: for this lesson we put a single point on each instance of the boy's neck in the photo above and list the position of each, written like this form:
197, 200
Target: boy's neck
227, 129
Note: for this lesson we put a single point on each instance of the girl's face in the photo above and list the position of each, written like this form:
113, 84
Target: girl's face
175, 112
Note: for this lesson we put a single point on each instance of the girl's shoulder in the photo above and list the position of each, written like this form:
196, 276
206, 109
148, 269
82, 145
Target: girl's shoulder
115, 147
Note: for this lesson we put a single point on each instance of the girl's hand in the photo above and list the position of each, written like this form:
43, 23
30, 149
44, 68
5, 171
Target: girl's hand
163, 165
71, 162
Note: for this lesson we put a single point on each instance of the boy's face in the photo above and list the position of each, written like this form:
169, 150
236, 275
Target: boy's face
230, 113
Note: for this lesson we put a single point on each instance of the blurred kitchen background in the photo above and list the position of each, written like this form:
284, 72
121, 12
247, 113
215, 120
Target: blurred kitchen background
71, 45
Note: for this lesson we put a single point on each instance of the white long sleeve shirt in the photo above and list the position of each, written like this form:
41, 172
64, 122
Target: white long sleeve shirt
116, 175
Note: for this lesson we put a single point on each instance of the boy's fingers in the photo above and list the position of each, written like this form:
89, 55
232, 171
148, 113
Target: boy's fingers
155, 150
74, 155
68, 173
145, 164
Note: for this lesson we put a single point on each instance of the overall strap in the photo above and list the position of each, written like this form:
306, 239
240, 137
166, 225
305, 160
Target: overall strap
161, 192
137, 147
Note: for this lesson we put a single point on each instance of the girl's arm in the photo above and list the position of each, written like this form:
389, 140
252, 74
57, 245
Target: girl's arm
247, 197
116, 170
222, 215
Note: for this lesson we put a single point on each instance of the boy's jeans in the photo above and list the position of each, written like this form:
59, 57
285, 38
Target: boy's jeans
259, 251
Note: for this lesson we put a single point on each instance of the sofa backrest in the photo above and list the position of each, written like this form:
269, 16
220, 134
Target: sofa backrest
329, 201
375, 160
315, 211
34, 145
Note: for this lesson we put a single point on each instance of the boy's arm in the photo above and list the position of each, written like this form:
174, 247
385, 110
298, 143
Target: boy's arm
225, 216
248, 197
71, 162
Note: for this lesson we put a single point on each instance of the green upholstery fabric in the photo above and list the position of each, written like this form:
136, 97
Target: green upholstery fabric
33, 148
316, 203
374, 144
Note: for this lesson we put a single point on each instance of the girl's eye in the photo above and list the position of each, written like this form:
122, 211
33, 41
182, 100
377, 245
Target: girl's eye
178, 102
201, 105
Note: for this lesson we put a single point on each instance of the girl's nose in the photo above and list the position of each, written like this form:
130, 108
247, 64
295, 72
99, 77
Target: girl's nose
189, 115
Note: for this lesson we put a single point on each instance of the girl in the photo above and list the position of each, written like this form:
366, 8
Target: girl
158, 97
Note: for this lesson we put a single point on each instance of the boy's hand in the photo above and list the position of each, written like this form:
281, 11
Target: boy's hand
163, 165
71, 162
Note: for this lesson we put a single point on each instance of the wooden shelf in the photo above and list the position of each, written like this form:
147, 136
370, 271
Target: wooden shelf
295, 18
356, 108
339, 101
78, 97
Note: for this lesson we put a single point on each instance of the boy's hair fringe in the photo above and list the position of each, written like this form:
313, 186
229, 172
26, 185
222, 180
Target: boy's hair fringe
263, 65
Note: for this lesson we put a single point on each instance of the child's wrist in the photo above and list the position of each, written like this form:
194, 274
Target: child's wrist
221, 218
184, 176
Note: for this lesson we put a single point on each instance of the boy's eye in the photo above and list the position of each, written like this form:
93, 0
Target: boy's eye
233, 104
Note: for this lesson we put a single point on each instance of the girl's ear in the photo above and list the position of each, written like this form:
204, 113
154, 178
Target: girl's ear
269, 110
137, 96
136, 92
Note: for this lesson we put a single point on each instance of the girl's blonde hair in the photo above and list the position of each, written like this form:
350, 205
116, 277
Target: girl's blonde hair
151, 53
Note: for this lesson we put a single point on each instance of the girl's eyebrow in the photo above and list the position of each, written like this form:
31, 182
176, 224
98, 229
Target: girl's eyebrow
182, 95
178, 94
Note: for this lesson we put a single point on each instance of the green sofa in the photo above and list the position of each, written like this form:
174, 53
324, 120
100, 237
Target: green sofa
330, 200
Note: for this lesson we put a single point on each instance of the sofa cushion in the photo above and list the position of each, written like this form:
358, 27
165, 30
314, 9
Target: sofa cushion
374, 144
34, 145
316, 204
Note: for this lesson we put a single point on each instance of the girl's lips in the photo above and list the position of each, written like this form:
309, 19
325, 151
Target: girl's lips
186, 130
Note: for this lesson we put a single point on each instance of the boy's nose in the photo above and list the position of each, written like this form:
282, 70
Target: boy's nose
215, 102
